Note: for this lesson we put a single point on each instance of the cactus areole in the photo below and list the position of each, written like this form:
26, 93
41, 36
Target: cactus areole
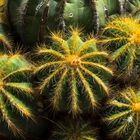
73, 61
136, 107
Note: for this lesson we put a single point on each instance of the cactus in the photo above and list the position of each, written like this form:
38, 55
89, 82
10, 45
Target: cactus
25, 17
133, 8
13, 69
74, 130
122, 114
123, 36
4, 39
32, 20
75, 63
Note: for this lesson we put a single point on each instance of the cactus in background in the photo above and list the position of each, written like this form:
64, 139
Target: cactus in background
133, 7
4, 39
26, 18
74, 130
74, 64
123, 114
32, 20
123, 36
13, 75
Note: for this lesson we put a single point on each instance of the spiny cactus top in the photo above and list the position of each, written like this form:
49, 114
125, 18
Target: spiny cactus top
74, 130
75, 67
13, 82
123, 115
124, 35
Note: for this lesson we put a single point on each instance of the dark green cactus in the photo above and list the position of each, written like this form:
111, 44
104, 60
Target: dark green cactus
32, 20
14, 81
25, 17
133, 7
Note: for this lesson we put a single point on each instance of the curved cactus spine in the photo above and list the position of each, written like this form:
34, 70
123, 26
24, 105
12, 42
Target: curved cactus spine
13, 69
70, 65
74, 130
123, 116
124, 32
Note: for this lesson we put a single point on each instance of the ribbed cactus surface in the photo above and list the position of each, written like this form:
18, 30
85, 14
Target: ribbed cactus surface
74, 64
13, 82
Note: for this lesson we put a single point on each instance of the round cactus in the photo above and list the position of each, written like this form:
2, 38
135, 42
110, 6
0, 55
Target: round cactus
74, 130
74, 64
122, 34
123, 114
13, 82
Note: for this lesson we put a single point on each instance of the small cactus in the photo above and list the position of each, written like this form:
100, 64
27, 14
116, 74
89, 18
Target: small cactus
123, 35
74, 64
13, 69
123, 114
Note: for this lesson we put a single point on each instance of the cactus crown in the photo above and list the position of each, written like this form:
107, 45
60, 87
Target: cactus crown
124, 32
74, 130
76, 59
125, 114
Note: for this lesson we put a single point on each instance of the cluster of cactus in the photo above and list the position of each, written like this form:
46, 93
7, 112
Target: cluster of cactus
84, 54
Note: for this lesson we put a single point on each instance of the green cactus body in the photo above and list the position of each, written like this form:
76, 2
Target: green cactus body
32, 20
133, 7
123, 115
75, 13
111, 6
13, 81
73, 63
26, 16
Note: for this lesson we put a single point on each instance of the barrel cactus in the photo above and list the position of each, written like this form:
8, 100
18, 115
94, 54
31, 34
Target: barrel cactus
74, 64
122, 34
13, 82
74, 130
122, 114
